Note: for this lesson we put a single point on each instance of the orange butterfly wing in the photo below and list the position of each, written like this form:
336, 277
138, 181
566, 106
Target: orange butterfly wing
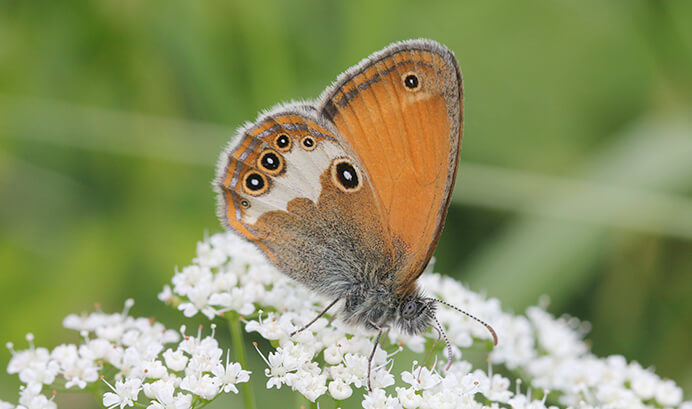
401, 112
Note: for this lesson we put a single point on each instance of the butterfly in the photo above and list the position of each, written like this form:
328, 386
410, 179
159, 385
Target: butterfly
348, 194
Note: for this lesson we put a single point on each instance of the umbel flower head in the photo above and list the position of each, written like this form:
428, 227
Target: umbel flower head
331, 358
146, 364
137, 362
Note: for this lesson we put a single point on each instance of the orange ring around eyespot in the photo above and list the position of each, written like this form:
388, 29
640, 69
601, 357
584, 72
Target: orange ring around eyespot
308, 138
263, 184
419, 83
340, 183
262, 166
286, 148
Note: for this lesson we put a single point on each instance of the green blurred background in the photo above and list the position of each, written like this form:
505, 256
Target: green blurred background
575, 178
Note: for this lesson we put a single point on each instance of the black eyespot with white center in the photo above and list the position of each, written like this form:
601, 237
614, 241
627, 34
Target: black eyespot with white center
255, 183
411, 81
283, 142
308, 143
244, 203
270, 162
346, 176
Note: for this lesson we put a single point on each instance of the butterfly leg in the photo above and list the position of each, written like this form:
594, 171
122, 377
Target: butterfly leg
316, 318
439, 337
374, 348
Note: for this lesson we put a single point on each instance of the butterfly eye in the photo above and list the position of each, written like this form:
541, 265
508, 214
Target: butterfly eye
308, 143
270, 162
411, 81
345, 176
283, 142
409, 309
255, 183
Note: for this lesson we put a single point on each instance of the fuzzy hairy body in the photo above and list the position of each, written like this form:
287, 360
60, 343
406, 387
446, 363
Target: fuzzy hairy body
341, 252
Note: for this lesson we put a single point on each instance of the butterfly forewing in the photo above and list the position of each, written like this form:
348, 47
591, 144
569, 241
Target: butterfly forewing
401, 112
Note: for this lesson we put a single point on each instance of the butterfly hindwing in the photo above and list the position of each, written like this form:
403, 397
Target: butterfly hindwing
291, 185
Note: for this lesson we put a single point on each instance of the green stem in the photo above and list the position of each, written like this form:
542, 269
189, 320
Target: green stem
239, 350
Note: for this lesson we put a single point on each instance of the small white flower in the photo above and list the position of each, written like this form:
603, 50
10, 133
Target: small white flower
237, 300
24, 359
420, 378
204, 386
95, 349
175, 361
166, 295
333, 354
381, 377
154, 369
444, 399
82, 372
191, 277
229, 375
40, 372
65, 355
166, 400
224, 281
643, 382
556, 336
272, 327
498, 389
36, 402
356, 369
209, 256
199, 346
278, 371
199, 297
6, 405
517, 347
668, 393
378, 399
312, 386
124, 393
204, 360
409, 398
340, 389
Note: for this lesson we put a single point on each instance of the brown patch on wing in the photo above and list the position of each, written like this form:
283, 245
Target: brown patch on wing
342, 232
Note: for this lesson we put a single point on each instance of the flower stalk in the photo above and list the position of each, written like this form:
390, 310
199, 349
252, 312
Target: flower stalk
234, 322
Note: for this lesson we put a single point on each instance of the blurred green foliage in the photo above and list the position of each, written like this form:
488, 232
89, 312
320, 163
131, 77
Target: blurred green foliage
575, 180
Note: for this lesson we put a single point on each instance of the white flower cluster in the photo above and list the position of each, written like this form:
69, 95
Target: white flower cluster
146, 363
331, 358
143, 364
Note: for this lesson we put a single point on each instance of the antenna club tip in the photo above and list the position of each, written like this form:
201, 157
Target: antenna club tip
494, 334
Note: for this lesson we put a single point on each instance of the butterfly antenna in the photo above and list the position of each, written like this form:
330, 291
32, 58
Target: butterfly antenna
441, 330
492, 331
